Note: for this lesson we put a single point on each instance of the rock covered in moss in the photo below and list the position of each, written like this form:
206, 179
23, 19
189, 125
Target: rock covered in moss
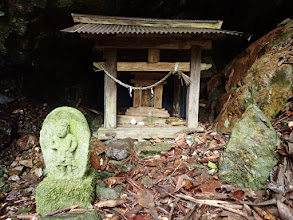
118, 165
108, 193
146, 149
54, 194
259, 76
250, 154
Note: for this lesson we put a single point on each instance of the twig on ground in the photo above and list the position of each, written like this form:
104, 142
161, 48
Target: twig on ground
215, 203
61, 210
172, 209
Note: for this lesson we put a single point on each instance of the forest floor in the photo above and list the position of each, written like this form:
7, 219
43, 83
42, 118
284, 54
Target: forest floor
182, 183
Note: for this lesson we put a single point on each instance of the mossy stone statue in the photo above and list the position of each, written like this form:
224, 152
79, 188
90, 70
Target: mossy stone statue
65, 142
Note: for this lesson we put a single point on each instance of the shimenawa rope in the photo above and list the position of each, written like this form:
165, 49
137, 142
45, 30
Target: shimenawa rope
182, 76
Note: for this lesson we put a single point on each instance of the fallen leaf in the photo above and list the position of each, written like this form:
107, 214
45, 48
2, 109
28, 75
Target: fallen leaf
27, 142
112, 181
237, 195
210, 186
285, 211
146, 200
212, 165
184, 181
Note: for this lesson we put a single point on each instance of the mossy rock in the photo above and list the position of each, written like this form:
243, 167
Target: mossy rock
52, 194
146, 149
118, 165
108, 193
250, 154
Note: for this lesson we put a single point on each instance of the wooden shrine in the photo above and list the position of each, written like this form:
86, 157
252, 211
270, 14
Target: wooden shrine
154, 35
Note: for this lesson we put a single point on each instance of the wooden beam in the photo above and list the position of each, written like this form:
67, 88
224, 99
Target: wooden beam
192, 102
137, 132
149, 22
158, 96
137, 96
150, 42
161, 66
110, 89
125, 119
145, 82
153, 55
176, 97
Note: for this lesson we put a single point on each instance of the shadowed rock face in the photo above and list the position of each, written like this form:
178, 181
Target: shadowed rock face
259, 77
250, 154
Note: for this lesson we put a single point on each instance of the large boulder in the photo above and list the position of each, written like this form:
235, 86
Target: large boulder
250, 154
261, 75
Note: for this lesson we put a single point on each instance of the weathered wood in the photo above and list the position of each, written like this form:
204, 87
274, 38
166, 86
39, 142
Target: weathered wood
146, 82
161, 66
192, 107
150, 42
149, 76
176, 97
137, 96
125, 119
137, 131
158, 96
149, 22
110, 89
143, 111
146, 97
153, 55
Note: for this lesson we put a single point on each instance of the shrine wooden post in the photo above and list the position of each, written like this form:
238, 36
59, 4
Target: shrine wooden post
192, 101
110, 96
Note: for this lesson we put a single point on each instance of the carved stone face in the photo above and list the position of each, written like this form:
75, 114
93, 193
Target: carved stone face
62, 130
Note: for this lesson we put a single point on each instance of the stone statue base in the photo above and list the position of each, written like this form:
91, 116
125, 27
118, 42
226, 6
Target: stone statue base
54, 194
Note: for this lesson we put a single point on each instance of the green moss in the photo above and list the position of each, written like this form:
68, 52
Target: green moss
54, 194
250, 154
108, 193
104, 175
281, 79
283, 36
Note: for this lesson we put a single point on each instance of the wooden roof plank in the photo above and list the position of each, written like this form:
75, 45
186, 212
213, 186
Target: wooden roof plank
149, 22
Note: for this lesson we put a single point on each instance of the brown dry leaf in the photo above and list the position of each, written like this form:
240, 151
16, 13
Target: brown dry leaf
212, 158
110, 203
153, 163
181, 142
95, 161
130, 214
143, 217
97, 145
237, 195
285, 211
210, 186
164, 190
184, 181
112, 181
146, 200
27, 142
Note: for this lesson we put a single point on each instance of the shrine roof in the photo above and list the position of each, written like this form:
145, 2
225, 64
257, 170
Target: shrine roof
107, 25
